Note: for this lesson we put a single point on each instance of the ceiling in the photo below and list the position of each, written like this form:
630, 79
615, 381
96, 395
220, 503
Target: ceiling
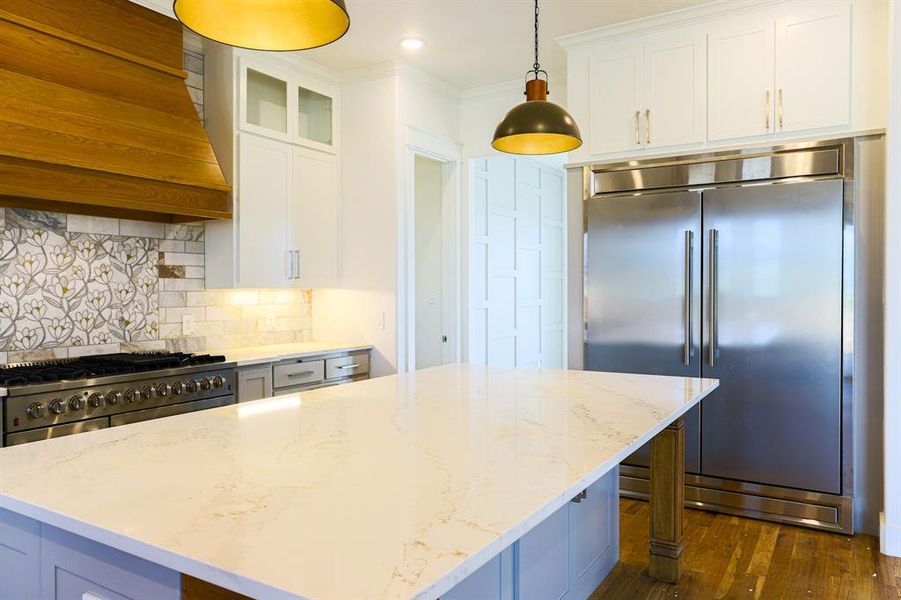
471, 43
468, 43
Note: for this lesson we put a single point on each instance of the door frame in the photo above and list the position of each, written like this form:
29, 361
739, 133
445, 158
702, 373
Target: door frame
433, 146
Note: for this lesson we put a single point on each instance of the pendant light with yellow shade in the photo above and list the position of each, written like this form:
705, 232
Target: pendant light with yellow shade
537, 126
279, 25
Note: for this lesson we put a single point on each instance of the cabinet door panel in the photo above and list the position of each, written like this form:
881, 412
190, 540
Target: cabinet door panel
263, 188
594, 535
615, 84
813, 65
254, 383
676, 82
741, 94
314, 218
542, 559
20, 557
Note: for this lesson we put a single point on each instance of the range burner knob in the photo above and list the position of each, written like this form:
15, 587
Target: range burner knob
147, 392
163, 390
131, 395
205, 384
95, 400
113, 397
56, 407
35, 410
191, 386
218, 382
75, 403
177, 388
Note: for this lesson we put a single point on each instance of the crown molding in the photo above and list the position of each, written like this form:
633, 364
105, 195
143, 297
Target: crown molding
692, 15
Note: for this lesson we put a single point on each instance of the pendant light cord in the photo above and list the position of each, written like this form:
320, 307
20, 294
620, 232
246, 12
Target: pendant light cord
536, 67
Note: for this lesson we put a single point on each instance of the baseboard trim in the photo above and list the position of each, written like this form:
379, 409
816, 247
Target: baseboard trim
889, 538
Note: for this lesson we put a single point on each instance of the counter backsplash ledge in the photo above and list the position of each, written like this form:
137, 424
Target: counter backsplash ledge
72, 285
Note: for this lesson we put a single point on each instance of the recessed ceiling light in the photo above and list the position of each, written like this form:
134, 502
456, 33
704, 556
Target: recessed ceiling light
412, 43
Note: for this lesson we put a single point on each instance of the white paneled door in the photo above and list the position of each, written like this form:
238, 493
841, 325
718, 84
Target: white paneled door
517, 266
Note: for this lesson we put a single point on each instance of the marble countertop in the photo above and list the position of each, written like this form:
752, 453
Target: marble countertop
394, 487
255, 355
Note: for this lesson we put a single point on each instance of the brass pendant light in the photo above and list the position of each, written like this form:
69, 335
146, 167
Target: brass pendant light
537, 126
279, 25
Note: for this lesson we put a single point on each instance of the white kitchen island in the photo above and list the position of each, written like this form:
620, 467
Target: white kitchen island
396, 487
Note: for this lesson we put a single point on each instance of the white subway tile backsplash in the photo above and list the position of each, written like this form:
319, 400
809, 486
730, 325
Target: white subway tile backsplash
174, 315
75, 351
195, 247
2, 217
89, 224
141, 229
170, 299
183, 258
181, 285
173, 245
195, 272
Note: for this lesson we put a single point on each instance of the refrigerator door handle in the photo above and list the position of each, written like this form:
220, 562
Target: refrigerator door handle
686, 320
711, 321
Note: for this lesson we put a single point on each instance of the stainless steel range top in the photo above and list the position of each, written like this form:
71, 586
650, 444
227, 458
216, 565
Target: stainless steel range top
53, 398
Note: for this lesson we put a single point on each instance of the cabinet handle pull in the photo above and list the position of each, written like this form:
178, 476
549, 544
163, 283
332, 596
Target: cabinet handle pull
297, 264
647, 126
686, 317
638, 127
289, 262
712, 283
350, 366
90, 596
301, 374
766, 108
780, 108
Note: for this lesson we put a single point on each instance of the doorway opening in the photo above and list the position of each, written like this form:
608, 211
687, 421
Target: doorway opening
429, 237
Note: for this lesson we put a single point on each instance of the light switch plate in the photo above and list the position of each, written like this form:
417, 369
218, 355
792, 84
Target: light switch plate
187, 324
380, 321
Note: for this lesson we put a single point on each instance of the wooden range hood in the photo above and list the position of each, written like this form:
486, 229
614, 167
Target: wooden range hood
95, 116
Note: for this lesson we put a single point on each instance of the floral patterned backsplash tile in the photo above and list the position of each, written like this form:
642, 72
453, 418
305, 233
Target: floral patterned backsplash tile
75, 289
73, 285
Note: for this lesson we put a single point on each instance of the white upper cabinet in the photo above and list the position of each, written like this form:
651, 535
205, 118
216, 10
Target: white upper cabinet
813, 65
648, 94
741, 72
616, 78
780, 71
264, 185
313, 218
675, 88
272, 124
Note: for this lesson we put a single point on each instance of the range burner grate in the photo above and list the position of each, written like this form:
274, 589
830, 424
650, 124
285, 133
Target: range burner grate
86, 367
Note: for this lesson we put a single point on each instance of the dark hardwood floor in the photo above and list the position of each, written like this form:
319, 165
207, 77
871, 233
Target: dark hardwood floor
733, 557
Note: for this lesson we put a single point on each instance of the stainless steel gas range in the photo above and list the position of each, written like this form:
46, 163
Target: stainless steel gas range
60, 397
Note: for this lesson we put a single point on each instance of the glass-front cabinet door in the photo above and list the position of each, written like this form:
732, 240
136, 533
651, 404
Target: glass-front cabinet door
265, 102
285, 102
314, 116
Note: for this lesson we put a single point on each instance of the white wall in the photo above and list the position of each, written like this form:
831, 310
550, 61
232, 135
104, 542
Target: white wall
429, 245
890, 531
377, 106
368, 226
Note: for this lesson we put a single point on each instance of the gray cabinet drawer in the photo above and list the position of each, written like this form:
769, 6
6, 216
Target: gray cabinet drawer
297, 373
346, 366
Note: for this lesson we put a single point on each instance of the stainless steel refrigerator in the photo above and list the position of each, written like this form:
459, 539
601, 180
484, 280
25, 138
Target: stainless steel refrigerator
732, 266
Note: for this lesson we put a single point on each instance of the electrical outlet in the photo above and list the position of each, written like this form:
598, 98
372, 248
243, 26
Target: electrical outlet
187, 324
380, 321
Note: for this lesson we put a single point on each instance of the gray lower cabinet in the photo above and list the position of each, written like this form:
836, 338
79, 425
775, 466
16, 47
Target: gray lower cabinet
254, 383
567, 555
301, 374
40, 561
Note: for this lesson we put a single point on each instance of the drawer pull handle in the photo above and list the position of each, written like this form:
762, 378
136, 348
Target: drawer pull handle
301, 374
90, 596
350, 366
